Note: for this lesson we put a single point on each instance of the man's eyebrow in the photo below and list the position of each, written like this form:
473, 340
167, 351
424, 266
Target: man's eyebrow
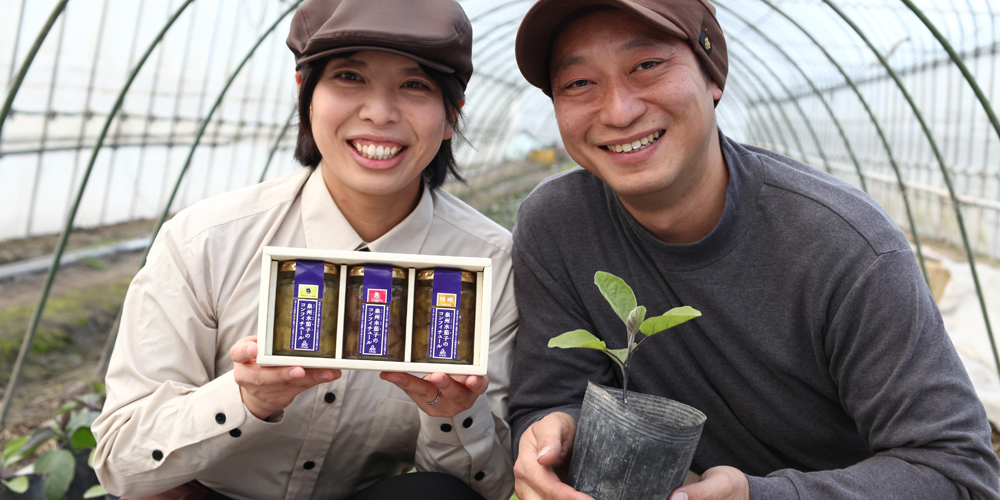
637, 43
631, 44
567, 62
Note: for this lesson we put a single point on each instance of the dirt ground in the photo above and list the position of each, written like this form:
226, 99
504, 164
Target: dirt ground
51, 379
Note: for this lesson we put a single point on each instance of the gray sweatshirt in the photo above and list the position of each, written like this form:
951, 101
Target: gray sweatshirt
820, 360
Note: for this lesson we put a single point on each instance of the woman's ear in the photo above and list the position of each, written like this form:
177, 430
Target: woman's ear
449, 129
298, 78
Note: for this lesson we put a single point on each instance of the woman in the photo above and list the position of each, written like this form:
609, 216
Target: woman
189, 412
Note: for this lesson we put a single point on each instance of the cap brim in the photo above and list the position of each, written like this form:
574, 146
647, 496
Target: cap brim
356, 48
537, 32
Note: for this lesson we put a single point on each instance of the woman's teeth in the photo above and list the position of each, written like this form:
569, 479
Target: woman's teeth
629, 147
374, 152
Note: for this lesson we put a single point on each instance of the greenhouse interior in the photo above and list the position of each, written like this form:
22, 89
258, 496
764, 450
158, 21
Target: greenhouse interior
117, 114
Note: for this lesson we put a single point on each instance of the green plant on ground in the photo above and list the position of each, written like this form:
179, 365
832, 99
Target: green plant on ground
70, 429
622, 300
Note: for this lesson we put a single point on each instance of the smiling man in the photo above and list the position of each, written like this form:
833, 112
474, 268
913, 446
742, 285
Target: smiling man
820, 360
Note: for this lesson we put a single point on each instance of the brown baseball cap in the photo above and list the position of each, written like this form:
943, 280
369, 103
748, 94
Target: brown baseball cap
436, 33
691, 20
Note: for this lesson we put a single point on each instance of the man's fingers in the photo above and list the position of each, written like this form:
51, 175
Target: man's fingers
717, 483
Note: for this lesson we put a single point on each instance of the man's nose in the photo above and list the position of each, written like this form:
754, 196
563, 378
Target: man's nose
621, 106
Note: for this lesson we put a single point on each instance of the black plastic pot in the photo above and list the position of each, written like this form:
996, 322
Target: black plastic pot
638, 450
36, 490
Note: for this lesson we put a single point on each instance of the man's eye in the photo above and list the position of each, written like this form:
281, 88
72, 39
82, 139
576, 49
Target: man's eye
646, 65
577, 84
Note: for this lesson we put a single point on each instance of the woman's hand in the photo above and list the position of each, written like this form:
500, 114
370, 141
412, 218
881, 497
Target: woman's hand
269, 389
438, 394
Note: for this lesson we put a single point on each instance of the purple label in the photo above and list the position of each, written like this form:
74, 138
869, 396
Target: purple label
376, 297
307, 306
446, 301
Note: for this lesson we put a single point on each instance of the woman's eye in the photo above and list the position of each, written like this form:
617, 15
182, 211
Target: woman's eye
347, 75
415, 85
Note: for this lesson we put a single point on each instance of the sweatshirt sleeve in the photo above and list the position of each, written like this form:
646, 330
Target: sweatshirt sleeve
547, 380
168, 413
901, 380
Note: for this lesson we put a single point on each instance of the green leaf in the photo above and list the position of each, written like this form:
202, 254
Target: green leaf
58, 467
18, 484
578, 338
12, 449
90, 458
68, 406
80, 420
617, 293
635, 318
622, 354
82, 439
669, 320
30, 444
95, 491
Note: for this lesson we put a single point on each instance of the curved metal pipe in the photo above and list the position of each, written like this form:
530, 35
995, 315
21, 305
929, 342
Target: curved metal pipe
64, 236
956, 204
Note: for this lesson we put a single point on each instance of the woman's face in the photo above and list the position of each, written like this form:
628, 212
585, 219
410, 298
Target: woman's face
377, 120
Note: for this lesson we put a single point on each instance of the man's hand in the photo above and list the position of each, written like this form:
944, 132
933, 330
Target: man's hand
449, 395
268, 389
543, 460
717, 483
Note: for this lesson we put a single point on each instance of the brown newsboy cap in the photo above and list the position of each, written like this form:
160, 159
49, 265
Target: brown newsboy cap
691, 20
435, 33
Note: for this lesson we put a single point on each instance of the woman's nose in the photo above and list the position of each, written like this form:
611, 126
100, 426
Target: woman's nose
380, 108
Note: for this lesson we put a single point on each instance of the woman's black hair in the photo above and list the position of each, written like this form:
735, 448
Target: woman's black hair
440, 167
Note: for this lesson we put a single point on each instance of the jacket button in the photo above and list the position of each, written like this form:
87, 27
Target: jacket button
157, 455
445, 427
467, 422
235, 433
309, 465
480, 475
220, 418
330, 397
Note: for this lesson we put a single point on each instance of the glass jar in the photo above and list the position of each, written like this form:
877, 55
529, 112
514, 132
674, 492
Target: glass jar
376, 301
305, 309
438, 336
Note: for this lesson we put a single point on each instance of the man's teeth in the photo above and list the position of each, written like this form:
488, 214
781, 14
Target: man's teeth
628, 147
374, 152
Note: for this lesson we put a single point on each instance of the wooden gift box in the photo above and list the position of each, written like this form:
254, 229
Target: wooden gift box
482, 267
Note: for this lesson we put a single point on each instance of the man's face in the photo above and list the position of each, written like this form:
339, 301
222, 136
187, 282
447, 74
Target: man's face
634, 107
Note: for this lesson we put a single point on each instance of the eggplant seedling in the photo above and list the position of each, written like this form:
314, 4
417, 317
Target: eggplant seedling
622, 300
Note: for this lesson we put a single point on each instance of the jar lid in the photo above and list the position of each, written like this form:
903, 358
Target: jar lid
397, 272
428, 274
328, 268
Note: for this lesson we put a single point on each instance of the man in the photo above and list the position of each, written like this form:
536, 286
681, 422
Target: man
820, 360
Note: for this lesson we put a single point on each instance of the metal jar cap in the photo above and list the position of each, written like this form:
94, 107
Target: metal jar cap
428, 274
328, 268
397, 272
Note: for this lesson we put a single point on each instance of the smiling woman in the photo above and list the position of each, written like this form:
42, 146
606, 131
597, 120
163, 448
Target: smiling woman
381, 86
